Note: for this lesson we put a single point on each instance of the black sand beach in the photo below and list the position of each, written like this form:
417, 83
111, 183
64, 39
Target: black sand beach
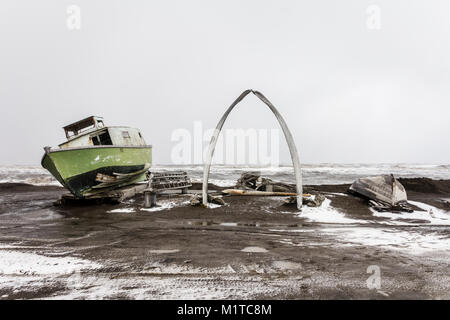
254, 247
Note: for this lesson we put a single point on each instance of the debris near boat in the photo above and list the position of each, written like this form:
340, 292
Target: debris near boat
239, 192
113, 196
310, 200
196, 200
96, 158
384, 193
159, 182
254, 181
253, 184
114, 180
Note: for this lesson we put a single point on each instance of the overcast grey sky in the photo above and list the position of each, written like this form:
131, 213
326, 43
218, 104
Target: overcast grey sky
349, 93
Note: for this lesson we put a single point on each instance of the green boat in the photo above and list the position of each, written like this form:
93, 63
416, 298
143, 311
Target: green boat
96, 158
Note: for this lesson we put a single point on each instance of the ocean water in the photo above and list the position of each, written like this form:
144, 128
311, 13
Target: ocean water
313, 174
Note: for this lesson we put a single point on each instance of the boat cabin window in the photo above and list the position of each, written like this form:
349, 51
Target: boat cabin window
96, 141
71, 132
103, 139
125, 134
82, 126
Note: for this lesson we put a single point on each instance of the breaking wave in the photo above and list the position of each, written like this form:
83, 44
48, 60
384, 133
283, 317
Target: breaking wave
316, 174
313, 174
27, 174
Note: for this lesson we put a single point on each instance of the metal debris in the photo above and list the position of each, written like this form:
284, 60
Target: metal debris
382, 206
196, 200
308, 200
254, 181
169, 180
239, 192
253, 184
161, 181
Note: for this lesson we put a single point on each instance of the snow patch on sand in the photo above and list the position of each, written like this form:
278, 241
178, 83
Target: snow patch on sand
433, 215
165, 205
161, 205
228, 224
254, 250
326, 214
122, 210
213, 205
286, 265
292, 230
13, 262
192, 288
411, 241
162, 251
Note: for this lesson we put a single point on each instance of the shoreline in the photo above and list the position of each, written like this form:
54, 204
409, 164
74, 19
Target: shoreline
254, 247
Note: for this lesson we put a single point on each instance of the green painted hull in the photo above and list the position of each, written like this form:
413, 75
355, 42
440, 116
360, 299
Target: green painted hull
77, 168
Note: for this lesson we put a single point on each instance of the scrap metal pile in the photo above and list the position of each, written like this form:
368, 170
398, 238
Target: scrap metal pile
196, 200
169, 180
254, 181
253, 184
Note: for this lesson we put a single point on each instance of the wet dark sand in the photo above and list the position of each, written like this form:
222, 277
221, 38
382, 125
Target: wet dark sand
193, 252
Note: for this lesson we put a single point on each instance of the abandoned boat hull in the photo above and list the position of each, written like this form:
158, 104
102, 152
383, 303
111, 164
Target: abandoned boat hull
77, 168
383, 188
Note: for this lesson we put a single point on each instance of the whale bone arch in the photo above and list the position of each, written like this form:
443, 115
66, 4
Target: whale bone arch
287, 135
